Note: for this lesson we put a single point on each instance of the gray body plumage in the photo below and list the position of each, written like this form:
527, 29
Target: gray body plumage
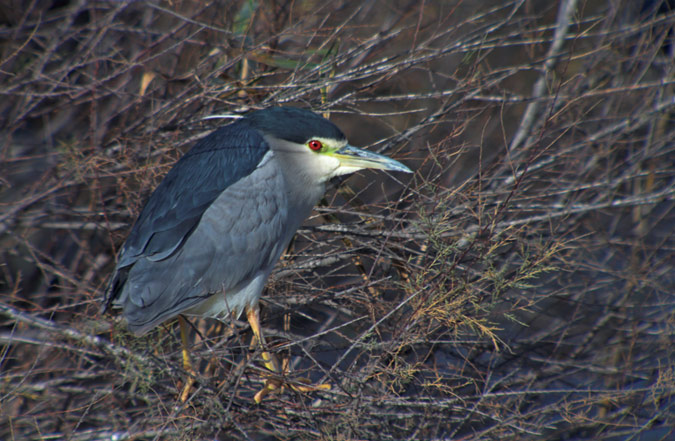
211, 232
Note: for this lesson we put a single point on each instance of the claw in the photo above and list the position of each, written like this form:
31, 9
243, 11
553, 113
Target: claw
271, 363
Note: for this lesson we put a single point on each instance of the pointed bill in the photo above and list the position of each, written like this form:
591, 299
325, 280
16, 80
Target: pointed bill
352, 157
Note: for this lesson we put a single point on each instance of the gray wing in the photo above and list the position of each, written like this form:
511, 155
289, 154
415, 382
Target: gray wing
240, 235
176, 206
198, 178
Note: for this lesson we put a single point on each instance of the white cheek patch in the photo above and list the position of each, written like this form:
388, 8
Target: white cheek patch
327, 166
345, 170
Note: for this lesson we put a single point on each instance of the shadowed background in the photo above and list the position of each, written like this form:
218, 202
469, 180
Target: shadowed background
519, 286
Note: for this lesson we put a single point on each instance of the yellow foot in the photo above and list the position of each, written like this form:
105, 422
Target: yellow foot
272, 364
302, 385
270, 385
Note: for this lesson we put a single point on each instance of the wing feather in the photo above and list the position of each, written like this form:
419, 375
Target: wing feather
175, 208
240, 236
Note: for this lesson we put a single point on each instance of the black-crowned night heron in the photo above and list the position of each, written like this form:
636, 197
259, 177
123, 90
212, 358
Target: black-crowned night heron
210, 234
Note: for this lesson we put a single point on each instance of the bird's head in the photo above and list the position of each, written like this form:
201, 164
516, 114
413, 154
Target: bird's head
313, 145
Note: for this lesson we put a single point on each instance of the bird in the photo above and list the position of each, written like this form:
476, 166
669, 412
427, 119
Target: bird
210, 234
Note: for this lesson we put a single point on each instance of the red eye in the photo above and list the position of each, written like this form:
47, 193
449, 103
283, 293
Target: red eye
315, 145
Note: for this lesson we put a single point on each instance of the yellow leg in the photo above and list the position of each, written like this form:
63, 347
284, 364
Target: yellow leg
187, 364
271, 362
253, 316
